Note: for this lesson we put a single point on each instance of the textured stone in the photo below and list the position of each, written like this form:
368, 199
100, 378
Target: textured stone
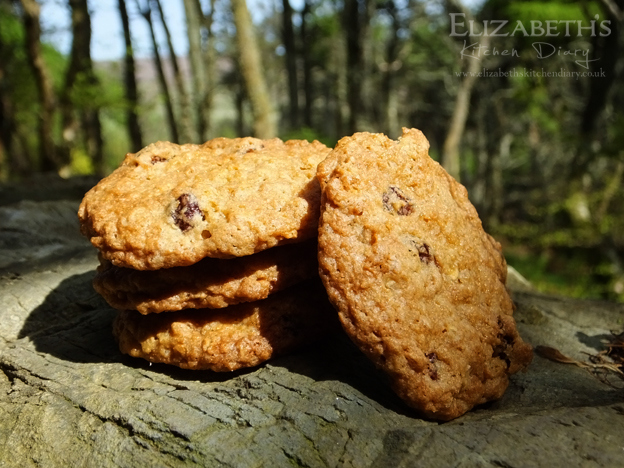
69, 398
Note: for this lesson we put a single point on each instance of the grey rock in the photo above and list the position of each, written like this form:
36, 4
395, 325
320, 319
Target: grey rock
517, 282
47, 186
69, 398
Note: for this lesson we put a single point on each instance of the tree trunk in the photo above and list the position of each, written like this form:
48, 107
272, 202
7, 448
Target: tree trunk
288, 37
6, 118
450, 150
608, 50
94, 140
610, 191
193, 13
388, 88
478, 187
307, 64
496, 190
250, 62
209, 61
132, 98
239, 99
47, 149
6, 131
336, 88
184, 115
210, 72
353, 25
146, 12
81, 77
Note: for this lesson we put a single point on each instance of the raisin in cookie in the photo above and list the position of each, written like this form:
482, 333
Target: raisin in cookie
418, 285
210, 283
243, 335
170, 205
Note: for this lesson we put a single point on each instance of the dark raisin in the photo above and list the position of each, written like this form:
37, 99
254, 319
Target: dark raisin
433, 367
406, 210
253, 148
395, 200
424, 252
157, 159
186, 211
505, 342
499, 352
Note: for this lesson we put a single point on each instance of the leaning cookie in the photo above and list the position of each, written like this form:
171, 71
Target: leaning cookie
419, 286
239, 336
170, 205
210, 283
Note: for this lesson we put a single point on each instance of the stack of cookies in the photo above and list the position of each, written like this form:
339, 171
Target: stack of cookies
209, 251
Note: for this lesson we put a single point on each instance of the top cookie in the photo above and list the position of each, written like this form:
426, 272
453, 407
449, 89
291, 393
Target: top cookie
170, 205
419, 286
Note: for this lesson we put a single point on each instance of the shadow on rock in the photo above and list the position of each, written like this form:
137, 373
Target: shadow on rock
337, 358
73, 323
597, 342
184, 375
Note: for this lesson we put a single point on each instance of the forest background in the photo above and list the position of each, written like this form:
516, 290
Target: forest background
522, 101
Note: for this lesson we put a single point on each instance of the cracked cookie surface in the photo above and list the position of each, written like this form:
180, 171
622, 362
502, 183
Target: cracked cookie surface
210, 283
418, 285
239, 336
172, 205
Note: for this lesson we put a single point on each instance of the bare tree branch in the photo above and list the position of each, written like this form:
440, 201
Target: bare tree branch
614, 9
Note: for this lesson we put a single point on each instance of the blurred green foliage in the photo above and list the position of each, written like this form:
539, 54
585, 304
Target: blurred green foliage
309, 134
554, 195
18, 82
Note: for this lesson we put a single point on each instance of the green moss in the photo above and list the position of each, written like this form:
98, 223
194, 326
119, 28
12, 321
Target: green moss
563, 273
306, 133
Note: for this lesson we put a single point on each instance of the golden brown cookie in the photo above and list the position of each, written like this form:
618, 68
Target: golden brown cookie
419, 286
210, 283
239, 336
170, 205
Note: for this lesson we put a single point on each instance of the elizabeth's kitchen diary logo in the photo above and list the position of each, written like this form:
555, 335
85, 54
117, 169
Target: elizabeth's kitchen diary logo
478, 36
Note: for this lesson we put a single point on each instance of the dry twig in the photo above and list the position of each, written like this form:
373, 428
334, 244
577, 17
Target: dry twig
600, 365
